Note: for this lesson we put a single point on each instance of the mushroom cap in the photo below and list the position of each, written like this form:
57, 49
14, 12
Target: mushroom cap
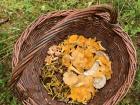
99, 82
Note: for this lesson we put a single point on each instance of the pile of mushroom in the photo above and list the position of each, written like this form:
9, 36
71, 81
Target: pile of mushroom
88, 66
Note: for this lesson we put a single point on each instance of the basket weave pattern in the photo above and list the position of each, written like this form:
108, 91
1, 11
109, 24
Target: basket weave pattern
98, 21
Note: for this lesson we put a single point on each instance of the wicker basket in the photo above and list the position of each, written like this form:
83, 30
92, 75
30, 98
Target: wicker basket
99, 21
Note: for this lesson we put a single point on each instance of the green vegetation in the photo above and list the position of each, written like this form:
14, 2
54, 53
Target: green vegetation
22, 12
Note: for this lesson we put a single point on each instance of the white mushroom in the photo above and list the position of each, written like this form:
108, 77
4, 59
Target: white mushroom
99, 53
70, 78
54, 50
93, 69
99, 83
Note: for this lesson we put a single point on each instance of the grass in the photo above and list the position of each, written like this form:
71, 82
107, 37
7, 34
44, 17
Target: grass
23, 12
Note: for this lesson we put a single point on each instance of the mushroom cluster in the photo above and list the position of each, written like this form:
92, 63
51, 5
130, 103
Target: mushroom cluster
88, 66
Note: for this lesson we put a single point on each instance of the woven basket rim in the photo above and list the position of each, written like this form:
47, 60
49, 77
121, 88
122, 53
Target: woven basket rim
70, 15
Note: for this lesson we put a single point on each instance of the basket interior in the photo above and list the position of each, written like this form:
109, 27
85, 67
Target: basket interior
93, 27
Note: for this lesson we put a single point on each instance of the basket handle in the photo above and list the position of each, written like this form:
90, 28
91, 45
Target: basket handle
110, 9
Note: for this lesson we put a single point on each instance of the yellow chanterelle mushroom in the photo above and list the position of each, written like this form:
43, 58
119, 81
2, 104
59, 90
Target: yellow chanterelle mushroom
88, 67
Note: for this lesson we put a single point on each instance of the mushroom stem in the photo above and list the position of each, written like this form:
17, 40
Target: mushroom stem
74, 69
